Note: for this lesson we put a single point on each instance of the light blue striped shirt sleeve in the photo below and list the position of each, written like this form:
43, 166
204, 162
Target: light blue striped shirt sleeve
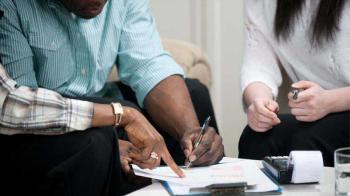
18, 60
142, 61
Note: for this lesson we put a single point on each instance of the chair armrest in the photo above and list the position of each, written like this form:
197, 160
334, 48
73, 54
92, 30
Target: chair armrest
191, 59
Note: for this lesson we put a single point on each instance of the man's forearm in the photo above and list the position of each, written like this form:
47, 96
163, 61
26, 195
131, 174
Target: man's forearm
43, 111
170, 106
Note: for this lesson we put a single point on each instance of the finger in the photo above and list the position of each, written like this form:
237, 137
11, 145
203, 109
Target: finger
220, 155
264, 126
301, 105
257, 123
305, 118
212, 153
204, 145
151, 163
253, 124
133, 149
291, 97
125, 165
261, 109
144, 155
299, 112
170, 162
273, 120
187, 147
273, 106
303, 84
305, 96
261, 130
158, 161
155, 160
264, 119
200, 151
294, 104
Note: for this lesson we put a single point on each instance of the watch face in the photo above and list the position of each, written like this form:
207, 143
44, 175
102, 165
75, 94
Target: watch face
118, 108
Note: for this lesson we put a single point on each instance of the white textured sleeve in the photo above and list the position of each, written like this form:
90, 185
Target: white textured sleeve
260, 63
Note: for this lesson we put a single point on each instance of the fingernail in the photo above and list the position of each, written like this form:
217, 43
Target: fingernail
192, 158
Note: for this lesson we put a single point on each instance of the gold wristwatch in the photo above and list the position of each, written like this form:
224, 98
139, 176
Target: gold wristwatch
118, 112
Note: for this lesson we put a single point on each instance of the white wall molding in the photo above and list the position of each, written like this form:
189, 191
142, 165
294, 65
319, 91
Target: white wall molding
197, 22
213, 46
206, 33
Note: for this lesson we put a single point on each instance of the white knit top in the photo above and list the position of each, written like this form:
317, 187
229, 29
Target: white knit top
328, 66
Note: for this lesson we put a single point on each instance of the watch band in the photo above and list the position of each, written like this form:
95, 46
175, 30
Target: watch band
118, 112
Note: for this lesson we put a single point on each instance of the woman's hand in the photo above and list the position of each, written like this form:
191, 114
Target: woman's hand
262, 114
150, 143
312, 103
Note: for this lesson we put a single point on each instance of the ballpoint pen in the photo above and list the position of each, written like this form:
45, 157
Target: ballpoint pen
199, 138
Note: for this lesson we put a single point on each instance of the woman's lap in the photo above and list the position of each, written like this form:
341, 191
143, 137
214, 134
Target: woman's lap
326, 135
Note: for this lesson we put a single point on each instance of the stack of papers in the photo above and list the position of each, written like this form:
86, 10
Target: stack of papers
229, 170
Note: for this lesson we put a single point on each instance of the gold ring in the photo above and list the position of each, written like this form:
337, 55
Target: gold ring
154, 155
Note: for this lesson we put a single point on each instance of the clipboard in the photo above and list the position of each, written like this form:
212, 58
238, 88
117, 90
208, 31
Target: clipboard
213, 189
198, 180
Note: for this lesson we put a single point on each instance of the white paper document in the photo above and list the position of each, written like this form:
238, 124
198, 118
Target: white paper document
229, 170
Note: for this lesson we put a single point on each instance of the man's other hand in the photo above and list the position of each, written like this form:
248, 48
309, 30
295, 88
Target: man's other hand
125, 150
208, 152
150, 143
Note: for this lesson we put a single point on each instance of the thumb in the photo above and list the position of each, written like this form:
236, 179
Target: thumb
273, 106
303, 84
187, 147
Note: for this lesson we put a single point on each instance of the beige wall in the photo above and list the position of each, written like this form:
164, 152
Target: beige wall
216, 27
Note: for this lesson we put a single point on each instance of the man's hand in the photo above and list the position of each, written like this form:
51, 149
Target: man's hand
312, 103
125, 150
262, 115
208, 152
170, 106
144, 137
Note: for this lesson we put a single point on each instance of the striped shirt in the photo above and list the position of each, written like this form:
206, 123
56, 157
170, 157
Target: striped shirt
44, 45
25, 110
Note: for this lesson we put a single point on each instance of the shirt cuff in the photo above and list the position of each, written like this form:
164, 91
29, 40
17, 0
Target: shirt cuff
79, 114
270, 83
172, 69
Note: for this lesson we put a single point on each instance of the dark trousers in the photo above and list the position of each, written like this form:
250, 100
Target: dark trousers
80, 163
326, 135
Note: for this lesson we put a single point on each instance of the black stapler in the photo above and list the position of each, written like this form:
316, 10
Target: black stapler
279, 168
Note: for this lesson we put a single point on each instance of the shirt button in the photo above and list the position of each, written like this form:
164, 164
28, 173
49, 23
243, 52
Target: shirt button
83, 71
53, 44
